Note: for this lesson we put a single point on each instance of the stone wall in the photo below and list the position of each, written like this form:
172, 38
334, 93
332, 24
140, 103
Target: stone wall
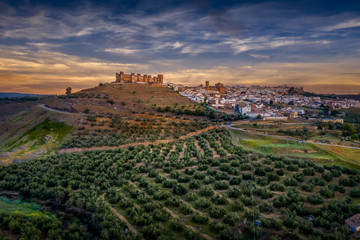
121, 77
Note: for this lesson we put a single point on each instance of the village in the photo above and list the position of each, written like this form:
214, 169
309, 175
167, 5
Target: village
278, 103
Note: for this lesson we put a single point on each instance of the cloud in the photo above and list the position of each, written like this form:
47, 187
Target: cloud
259, 56
276, 73
52, 70
121, 50
45, 45
268, 42
352, 23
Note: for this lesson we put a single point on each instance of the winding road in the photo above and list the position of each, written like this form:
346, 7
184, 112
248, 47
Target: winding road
55, 110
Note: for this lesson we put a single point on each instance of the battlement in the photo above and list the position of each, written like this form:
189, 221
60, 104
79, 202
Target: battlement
132, 78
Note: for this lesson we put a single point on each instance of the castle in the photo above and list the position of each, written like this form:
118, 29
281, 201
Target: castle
218, 87
132, 78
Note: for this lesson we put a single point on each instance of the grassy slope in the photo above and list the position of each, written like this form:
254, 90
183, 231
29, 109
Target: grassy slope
128, 98
42, 138
321, 154
331, 136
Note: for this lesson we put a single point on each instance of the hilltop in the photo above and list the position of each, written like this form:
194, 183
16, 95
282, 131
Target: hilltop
122, 99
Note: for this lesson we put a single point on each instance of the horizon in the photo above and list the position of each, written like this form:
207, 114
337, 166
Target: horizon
318, 89
46, 47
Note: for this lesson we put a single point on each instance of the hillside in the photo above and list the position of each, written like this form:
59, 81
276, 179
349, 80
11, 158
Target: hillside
139, 162
121, 99
107, 115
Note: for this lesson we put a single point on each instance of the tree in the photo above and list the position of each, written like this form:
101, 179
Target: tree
348, 129
354, 137
68, 91
212, 115
258, 116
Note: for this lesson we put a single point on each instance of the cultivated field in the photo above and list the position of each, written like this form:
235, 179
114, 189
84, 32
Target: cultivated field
198, 188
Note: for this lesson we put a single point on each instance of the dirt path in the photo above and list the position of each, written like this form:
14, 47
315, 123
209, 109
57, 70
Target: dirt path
55, 110
121, 217
188, 226
71, 150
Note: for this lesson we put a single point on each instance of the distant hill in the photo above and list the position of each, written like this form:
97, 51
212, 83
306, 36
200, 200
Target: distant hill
14, 95
334, 96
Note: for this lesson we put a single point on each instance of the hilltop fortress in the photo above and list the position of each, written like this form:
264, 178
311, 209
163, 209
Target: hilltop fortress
132, 78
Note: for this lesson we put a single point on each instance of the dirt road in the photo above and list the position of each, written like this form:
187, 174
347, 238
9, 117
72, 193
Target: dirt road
121, 217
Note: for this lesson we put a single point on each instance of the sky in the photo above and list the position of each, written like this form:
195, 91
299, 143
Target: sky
47, 46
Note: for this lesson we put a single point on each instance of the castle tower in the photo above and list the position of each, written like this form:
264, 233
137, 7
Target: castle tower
122, 77
133, 78
161, 78
207, 85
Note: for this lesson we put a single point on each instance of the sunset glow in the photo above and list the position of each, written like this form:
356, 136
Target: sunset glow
45, 48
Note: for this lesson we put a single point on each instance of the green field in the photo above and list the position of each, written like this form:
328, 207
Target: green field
18, 207
319, 153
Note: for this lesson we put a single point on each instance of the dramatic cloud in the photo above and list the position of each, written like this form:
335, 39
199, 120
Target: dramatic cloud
46, 46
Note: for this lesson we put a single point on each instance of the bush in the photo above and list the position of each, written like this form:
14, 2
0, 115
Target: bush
194, 184
202, 203
231, 219
326, 192
236, 206
327, 176
235, 181
315, 199
221, 185
229, 234
277, 187
206, 191
219, 199
216, 212
355, 193
153, 231
186, 209
289, 181
199, 218
179, 190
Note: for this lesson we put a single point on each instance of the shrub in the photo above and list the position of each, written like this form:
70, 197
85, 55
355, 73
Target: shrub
355, 193
315, 199
199, 218
216, 212
194, 184
179, 190
326, 192
221, 185
206, 191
